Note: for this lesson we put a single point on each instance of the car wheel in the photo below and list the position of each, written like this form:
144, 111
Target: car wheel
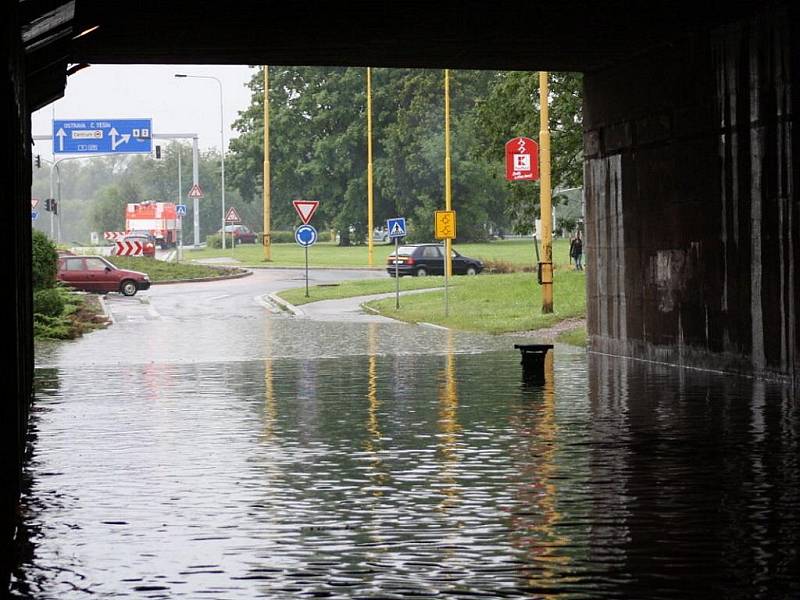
471, 270
128, 288
422, 272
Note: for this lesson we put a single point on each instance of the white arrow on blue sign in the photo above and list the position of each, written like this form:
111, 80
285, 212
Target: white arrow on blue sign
103, 136
34, 215
180, 210
305, 235
396, 227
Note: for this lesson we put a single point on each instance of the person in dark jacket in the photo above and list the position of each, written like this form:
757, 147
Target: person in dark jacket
576, 251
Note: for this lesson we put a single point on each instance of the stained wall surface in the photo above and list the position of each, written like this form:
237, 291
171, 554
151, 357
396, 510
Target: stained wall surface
693, 227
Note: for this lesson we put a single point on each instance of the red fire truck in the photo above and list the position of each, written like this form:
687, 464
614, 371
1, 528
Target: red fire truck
159, 219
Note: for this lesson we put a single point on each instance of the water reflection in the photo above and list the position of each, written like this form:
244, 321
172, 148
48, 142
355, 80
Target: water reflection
378, 475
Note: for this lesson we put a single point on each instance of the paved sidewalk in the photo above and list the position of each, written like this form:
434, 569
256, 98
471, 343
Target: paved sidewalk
342, 309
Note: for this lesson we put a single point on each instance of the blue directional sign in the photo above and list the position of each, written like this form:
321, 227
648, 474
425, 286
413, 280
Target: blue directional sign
305, 235
396, 227
103, 136
34, 215
180, 210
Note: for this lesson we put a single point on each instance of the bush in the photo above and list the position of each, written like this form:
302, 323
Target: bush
499, 266
48, 302
282, 237
44, 261
215, 240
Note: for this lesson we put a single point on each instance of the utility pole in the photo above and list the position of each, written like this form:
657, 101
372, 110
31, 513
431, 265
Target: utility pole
546, 202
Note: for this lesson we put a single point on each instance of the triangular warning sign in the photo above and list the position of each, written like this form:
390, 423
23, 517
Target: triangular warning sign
305, 209
232, 216
196, 191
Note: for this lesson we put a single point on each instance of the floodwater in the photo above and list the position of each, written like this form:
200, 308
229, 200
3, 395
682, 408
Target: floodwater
414, 470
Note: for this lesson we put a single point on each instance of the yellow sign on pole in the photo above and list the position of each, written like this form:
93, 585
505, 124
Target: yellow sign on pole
444, 227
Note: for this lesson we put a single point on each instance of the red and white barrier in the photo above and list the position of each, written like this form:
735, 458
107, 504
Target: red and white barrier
129, 248
114, 236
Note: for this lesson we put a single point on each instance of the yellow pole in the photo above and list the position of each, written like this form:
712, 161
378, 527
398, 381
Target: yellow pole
545, 200
448, 199
370, 224
267, 199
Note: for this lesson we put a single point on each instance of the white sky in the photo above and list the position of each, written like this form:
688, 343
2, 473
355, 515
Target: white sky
151, 91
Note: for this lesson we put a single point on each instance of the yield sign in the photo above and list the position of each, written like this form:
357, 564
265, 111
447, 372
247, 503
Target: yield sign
196, 191
305, 209
232, 216
34, 203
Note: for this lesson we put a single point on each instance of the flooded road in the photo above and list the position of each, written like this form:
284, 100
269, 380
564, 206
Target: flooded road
256, 455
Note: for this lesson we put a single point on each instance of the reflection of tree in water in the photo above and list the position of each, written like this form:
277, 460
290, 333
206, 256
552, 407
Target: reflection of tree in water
536, 517
372, 444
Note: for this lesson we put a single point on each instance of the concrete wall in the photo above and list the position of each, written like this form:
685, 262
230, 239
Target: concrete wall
693, 221
15, 241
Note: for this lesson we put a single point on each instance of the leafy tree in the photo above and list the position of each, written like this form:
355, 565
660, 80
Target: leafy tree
44, 261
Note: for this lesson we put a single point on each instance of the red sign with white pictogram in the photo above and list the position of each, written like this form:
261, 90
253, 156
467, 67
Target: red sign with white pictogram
232, 216
129, 248
522, 159
196, 191
305, 209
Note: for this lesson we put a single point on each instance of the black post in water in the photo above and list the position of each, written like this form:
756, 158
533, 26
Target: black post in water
306, 271
396, 275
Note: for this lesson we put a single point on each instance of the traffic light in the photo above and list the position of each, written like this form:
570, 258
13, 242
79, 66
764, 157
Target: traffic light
158, 152
48, 204
54, 206
38, 161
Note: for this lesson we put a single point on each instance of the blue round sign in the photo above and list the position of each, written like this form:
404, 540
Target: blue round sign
305, 235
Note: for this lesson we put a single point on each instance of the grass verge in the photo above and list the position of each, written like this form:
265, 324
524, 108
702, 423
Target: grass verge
348, 289
158, 270
574, 337
494, 303
518, 253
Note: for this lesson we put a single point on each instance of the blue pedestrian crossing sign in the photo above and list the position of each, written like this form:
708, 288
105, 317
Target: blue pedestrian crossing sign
305, 235
180, 210
396, 227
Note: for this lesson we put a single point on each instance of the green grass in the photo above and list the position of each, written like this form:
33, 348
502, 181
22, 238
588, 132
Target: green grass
348, 289
519, 253
574, 337
158, 270
493, 303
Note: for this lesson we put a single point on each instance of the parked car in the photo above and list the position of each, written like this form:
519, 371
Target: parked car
147, 241
428, 259
96, 274
241, 234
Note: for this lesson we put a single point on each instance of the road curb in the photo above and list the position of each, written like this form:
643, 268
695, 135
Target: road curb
246, 273
275, 299
106, 312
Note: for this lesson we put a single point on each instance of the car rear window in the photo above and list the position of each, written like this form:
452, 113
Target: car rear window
73, 264
405, 250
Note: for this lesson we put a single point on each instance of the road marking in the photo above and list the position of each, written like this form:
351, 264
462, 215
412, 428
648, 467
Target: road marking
219, 297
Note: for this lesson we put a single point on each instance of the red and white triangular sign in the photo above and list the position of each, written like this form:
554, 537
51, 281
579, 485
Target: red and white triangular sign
196, 191
232, 216
306, 209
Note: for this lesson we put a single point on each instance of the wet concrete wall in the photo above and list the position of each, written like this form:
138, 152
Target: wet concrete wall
693, 223
15, 241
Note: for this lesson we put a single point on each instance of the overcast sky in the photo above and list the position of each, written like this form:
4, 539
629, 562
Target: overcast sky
152, 91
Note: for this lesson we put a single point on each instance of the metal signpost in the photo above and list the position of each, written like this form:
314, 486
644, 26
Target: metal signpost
444, 228
103, 136
397, 229
180, 210
306, 236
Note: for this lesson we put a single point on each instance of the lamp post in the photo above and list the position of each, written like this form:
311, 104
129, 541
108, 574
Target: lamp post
221, 138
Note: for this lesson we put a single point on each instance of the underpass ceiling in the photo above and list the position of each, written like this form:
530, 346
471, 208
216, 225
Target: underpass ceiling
565, 35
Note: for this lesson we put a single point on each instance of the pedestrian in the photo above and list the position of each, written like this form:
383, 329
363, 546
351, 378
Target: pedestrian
576, 251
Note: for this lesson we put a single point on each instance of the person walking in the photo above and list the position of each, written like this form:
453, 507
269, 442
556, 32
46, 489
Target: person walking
576, 251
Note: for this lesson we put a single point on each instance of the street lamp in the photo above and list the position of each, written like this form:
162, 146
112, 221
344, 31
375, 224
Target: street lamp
221, 138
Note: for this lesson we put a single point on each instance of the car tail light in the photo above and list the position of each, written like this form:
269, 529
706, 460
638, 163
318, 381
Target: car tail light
410, 260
